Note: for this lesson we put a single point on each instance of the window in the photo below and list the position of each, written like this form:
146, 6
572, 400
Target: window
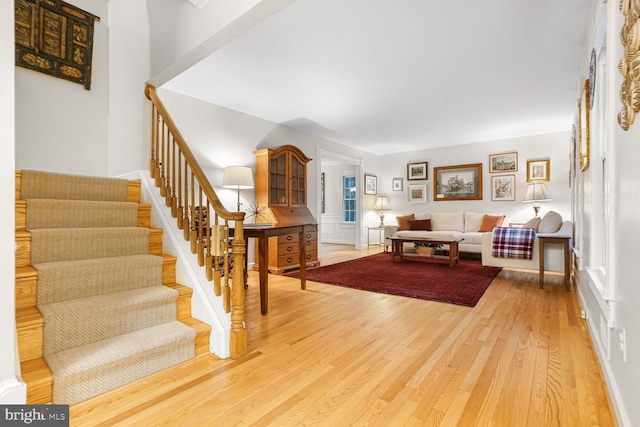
349, 199
599, 178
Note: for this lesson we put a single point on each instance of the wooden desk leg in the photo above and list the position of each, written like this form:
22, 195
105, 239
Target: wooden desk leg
263, 271
541, 250
303, 260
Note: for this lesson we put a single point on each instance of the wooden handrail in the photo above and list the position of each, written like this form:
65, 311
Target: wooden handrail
191, 197
151, 94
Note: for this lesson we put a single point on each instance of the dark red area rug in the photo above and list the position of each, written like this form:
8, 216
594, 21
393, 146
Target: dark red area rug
462, 284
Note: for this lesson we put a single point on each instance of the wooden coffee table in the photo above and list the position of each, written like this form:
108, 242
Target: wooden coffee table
397, 244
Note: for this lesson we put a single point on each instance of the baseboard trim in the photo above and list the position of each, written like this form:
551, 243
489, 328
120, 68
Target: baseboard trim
612, 385
13, 392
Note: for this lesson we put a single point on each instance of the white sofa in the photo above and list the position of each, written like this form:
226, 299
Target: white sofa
462, 224
553, 252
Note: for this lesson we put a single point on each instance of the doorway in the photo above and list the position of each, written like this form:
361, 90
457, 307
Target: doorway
335, 225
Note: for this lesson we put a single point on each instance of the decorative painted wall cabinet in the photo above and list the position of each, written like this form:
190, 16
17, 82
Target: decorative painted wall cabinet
281, 187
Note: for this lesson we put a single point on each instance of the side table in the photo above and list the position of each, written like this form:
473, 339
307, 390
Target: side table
564, 241
380, 235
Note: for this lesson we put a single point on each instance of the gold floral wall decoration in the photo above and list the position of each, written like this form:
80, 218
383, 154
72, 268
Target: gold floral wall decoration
629, 65
56, 38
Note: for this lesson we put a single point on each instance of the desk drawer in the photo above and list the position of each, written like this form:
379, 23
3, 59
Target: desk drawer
292, 260
293, 237
288, 238
293, 248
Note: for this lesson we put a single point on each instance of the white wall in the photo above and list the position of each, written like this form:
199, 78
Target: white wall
60, 126
554, 147
177, 27
183, 35
623, 258
615, 311
12, 391
129, 69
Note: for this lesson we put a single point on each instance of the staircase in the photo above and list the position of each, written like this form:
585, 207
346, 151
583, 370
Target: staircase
97, 305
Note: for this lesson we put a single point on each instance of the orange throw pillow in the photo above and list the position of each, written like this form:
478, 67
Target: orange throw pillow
404, 221
489, 222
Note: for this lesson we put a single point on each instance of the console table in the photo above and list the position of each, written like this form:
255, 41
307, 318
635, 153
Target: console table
262, 233
398, 242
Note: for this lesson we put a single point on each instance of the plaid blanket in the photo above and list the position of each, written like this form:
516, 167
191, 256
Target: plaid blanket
513, 242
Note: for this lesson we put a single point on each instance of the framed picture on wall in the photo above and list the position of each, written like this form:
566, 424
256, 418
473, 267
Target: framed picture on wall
503, 162
55, 38
416, 171
417, 193
460, 182
503, 188
585, 137
538, 170
370, 184
397, 184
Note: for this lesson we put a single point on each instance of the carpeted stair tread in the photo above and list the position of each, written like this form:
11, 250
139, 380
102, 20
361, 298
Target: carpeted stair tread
50, 185
65, 280
69, 324
67, 244
51, 213
103, 317
86, 371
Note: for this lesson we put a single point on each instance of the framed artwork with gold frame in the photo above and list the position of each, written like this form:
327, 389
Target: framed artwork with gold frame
585, 142
538, 170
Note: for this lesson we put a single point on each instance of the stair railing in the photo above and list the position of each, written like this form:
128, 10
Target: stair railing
204, 220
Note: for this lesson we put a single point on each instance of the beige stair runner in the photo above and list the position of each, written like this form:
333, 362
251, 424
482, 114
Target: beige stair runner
108, 320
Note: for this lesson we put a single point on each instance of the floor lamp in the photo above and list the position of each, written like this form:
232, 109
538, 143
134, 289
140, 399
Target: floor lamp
238, 178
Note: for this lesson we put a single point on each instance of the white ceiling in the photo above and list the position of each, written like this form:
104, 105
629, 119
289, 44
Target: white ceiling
398, 75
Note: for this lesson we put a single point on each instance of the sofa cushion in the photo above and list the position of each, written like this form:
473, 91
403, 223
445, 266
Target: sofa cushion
550, 223
423, 215
447, 221
532, 223
490, 222
470, 237
404, 221
420, 224
472, 221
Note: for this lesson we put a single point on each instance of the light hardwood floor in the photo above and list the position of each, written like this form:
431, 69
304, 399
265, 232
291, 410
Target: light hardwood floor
332, 356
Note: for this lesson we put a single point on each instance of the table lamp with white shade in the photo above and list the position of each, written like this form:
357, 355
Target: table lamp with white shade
537, 192
238, 178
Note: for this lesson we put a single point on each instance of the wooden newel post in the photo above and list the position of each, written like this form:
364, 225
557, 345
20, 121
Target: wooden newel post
238, 333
